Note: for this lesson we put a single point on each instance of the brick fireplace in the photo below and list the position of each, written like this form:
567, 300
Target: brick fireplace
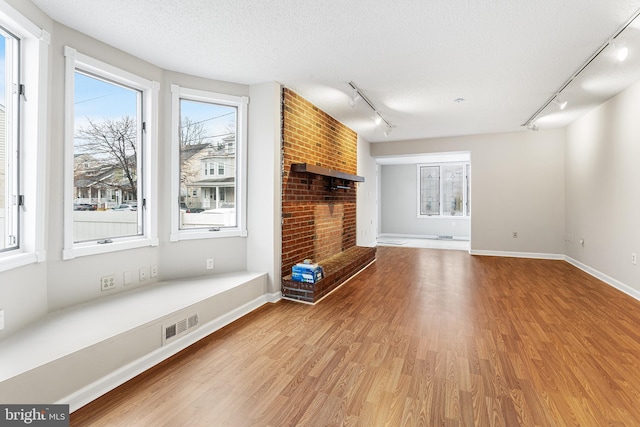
316, 223
319, 218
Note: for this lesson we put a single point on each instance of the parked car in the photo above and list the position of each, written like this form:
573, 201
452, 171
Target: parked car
84, 207
126, 208
195, 210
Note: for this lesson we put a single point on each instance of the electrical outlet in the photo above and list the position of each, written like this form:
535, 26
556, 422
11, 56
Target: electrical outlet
154, 271
514, 235
210, 264
144, 273
108, 282
1, 320
633, 258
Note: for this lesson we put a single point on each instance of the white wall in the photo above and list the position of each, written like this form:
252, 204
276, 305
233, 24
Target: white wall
264, 206
517, 185
399, 207
366, 197
602, 176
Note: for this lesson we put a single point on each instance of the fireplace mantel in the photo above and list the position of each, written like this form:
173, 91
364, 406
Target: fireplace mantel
319, 170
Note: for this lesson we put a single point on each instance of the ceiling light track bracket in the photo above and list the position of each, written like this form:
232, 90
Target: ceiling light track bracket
598, 51
357, 91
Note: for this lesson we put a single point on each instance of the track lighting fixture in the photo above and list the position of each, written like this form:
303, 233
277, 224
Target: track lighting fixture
621, 53
388, 131
354, 99
377, 117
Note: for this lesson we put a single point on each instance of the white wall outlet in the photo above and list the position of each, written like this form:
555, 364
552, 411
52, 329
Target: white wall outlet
127, 278
634, 259
153, 271
210, 264
514, 234
1, 320
144, 273
108, 282
582, 242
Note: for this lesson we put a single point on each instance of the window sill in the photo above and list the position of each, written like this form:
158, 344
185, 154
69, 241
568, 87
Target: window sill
443, 217
206, 234
93, 248
10, 261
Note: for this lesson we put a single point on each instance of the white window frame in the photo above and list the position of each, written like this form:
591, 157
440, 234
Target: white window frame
149, 177
240, 102
32, 128
466, 182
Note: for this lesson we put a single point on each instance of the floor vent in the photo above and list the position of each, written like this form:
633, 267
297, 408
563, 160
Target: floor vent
445, 237
177, 328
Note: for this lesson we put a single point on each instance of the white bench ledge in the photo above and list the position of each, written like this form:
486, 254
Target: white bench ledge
66, 331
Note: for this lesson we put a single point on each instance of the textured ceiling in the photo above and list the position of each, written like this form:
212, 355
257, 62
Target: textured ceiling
411, 58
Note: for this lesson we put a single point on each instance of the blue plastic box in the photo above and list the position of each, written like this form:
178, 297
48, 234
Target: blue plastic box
308, 273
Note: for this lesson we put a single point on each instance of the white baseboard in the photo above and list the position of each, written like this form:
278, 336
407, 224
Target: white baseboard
420, 236
274, 297
622, 287
603, 277
118, 377
532, 255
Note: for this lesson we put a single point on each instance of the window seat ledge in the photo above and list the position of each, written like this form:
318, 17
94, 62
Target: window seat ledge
96, 332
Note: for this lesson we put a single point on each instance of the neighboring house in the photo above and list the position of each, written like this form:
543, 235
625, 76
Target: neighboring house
208, 175
100, 184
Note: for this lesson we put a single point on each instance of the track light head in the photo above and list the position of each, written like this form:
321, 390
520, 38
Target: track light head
353, 101
377, 117
388, 131
533, 126
622, 54
562, 104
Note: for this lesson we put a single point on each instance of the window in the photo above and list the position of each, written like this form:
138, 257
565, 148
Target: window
208, 164
444, 190
110, 155
23, 77
9, 143
430, 190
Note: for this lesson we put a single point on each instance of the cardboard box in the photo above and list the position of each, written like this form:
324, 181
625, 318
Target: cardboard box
308, 273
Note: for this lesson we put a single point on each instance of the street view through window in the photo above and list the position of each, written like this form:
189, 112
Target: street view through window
207, 135
107, 159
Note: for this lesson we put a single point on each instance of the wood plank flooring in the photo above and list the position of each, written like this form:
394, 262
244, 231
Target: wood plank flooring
421, 338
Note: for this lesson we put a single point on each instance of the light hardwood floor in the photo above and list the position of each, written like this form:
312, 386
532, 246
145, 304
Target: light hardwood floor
421, 337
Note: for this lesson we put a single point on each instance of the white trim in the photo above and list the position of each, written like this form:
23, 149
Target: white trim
107, 383
622, 287
240, 102
531, 255
422, 236
150, 90
34, 61
603, 277
91, 248
8, 13
14, 260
